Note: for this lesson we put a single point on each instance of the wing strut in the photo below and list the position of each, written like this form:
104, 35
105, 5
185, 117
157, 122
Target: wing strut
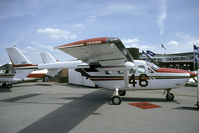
126, 80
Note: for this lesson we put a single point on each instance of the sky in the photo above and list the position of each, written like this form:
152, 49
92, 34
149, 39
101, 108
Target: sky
40, 25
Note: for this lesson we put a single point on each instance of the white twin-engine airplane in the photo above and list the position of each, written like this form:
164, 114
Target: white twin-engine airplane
110, 65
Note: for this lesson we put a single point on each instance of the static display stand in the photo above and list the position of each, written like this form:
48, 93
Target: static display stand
198, 89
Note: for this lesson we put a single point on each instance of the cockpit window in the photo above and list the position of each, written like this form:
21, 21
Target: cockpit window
141, 69
152, 66
7, 69
120, 72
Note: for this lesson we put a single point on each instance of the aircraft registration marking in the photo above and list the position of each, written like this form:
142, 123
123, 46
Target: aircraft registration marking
93, 43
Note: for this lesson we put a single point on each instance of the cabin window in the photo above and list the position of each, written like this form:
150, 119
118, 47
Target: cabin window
120, 72
141, 69
152, 66
132, 71
108, 72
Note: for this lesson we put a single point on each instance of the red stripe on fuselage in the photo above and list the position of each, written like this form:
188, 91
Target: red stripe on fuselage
24, 65
171, 70
38, 75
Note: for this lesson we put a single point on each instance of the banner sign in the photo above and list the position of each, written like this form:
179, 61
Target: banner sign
188, 58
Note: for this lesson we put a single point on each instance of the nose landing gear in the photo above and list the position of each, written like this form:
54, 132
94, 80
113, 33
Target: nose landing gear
169, 96
116, 100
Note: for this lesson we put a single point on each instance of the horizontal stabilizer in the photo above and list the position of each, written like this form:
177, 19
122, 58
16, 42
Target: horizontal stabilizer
21, 74
53, 72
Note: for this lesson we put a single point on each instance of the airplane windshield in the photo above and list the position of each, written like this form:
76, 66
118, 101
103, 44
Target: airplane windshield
152, 66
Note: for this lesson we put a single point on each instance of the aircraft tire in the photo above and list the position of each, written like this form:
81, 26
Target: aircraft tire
4, 85
116, 100
170, 97
9, 86
122, 92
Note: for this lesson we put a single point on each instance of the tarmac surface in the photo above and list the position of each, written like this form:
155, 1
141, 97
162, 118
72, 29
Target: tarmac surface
60, 108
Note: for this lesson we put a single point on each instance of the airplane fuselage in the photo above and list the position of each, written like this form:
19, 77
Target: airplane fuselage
8, 78
142, 76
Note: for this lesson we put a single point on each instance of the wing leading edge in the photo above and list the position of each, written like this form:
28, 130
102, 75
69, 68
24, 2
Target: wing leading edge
104, 51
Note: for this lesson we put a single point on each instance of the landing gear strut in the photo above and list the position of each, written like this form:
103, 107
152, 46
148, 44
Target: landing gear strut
197, 104
116, 100
169, 95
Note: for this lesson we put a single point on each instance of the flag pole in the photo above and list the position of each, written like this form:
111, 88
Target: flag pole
150, 58
164, 49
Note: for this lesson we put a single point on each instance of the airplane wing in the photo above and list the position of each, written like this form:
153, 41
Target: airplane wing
103, 51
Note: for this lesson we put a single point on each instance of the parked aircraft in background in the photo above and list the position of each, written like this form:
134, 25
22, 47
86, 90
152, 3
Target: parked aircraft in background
48, 58
21, 66
6, 77
21, 69
36, 74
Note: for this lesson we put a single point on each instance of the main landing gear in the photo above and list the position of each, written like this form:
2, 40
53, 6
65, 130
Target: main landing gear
169, 96
116, 100
4, 85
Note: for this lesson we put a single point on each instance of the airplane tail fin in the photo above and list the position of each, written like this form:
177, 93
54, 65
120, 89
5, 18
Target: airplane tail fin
48, 58
21, 63
17, 57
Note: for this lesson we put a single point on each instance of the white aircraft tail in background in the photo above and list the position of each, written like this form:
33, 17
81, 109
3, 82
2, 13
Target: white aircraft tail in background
22, 66
54, 67
48, 58
21, 63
